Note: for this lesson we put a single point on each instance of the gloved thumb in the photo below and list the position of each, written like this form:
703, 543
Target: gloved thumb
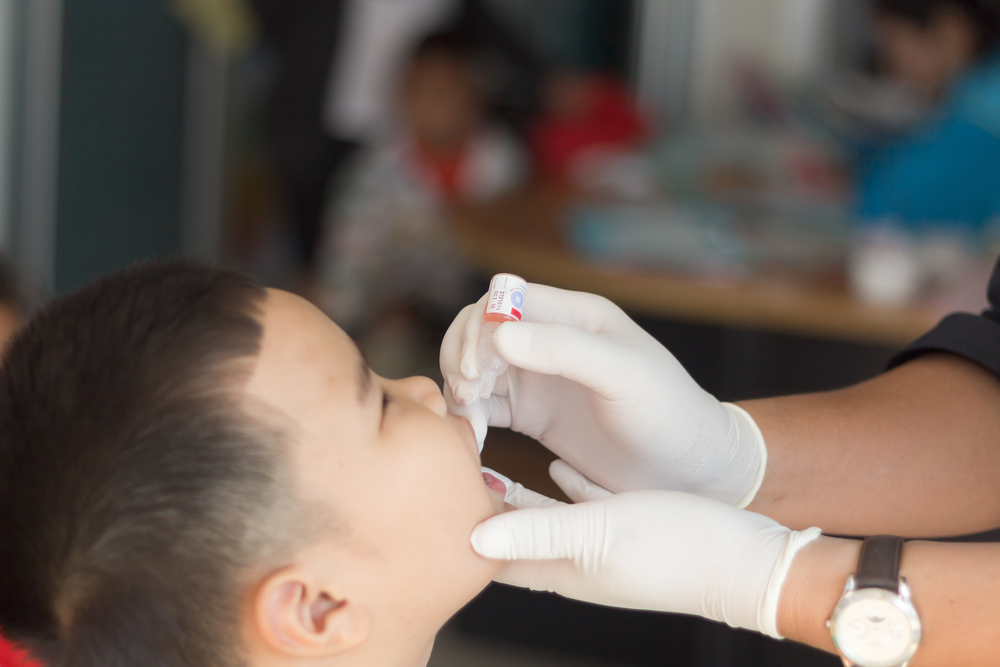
543, 533
574, 484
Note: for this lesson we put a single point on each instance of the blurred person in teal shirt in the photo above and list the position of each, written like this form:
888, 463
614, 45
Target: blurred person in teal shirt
947, 169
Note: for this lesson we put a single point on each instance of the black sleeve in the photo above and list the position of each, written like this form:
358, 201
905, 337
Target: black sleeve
975, 337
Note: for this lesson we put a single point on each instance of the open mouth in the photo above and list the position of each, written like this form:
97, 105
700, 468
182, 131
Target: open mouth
494, 484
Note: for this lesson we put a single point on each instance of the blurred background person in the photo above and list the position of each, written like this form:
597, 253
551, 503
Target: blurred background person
928, 190
947, 167
338, 63
388, 249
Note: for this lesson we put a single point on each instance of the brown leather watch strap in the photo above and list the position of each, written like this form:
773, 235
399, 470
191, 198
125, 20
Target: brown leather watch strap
878, 564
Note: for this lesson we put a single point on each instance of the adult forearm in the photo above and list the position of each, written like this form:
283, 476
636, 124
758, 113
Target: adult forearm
956, 590
913, 452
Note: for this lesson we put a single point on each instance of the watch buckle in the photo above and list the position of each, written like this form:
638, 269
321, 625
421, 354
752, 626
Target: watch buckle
904, 590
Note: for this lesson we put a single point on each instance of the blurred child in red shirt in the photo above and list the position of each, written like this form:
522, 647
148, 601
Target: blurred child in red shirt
585, 113
387, 236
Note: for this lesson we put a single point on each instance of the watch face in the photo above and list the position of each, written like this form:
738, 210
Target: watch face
874, 632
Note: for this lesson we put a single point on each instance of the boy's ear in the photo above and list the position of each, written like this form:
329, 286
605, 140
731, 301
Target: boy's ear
295, 614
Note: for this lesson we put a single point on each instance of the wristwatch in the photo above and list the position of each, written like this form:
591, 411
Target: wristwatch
875, 624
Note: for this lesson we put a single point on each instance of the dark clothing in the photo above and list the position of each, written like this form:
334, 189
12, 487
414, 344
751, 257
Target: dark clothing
975, 337
305, 35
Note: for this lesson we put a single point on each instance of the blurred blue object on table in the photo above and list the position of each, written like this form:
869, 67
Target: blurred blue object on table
707, 240
692, 239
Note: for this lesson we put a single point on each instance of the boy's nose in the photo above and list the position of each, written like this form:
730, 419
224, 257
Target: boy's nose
426, 392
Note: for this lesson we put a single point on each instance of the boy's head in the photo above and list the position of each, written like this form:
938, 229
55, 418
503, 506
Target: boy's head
440, 103
924, 43
198, 471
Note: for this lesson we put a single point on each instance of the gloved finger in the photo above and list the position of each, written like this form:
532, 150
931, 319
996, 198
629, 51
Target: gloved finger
544, 304
498, 407
552, 576
590, 312
542, 533
450, 358
597, 361
575, 484
557, 576
492, 411
470, 338
581, 310
521, 497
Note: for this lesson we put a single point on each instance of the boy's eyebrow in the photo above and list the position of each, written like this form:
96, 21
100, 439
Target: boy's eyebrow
364, 376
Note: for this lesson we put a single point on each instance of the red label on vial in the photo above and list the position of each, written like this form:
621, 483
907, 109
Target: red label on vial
506, 298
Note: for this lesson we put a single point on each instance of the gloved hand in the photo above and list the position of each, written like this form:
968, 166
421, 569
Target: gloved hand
604, 395
655, 550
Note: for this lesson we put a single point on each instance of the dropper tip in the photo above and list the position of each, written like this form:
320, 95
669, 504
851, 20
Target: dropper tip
486, 382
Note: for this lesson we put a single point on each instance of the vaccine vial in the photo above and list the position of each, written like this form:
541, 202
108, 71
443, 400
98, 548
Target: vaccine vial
504, 304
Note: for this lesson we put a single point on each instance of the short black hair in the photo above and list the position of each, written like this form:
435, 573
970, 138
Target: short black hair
983, 14
137, 490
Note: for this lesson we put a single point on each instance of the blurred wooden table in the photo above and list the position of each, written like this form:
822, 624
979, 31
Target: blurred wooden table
521, 234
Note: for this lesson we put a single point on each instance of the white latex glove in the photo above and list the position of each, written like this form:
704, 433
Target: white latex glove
654, 550
604, 395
